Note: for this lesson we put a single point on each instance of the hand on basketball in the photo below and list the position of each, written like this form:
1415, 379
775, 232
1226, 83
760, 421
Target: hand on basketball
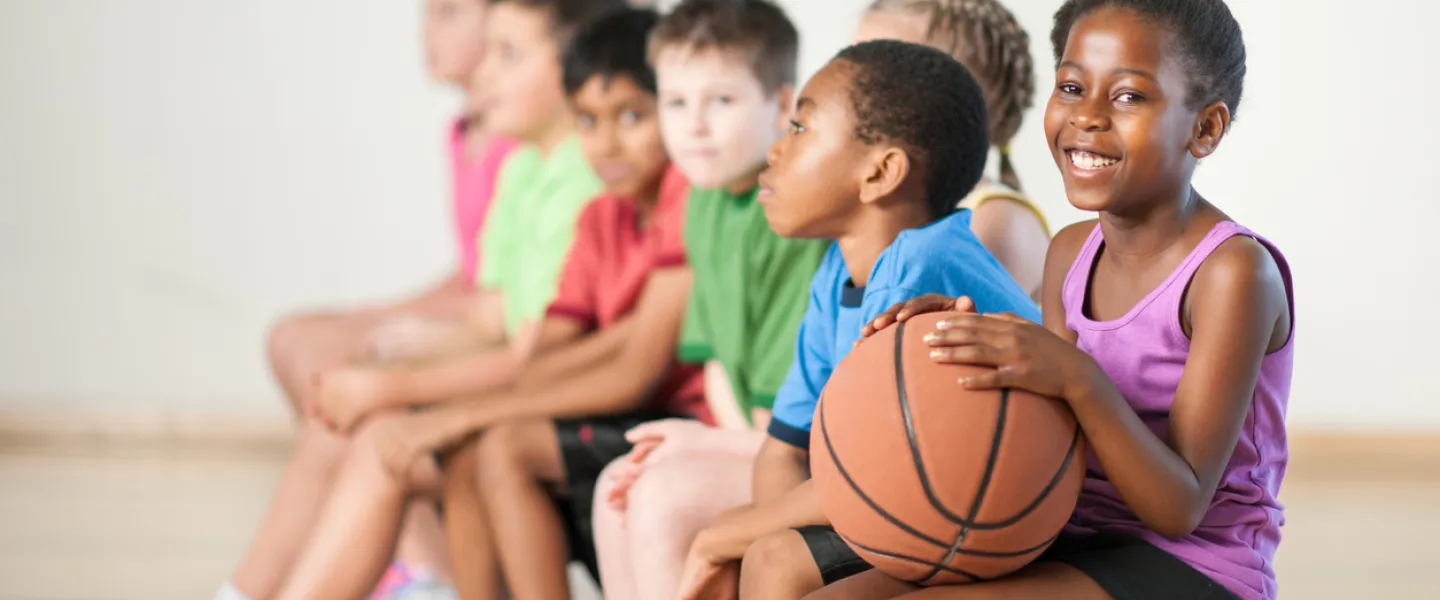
1024, 355
344, 396
916, 306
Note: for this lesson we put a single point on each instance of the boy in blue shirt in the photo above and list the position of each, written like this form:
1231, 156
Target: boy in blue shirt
886, 139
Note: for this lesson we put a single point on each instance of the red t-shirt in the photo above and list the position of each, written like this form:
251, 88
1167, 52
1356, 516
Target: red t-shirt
609, 263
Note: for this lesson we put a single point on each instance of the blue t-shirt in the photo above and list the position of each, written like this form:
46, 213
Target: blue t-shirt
941, 258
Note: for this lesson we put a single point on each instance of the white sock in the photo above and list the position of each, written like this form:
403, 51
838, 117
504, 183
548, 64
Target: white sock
227, 591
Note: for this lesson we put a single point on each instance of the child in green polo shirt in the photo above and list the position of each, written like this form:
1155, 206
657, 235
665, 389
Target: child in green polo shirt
726, 73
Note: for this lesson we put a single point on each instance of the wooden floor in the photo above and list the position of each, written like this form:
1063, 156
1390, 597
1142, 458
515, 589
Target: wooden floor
155, 521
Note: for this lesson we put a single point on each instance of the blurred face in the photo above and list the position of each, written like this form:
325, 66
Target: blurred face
715, 116
1117, 122
813, 183
904, 26
454, 38
518, 84
620, 132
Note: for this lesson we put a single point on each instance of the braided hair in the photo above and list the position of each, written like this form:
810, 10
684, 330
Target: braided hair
986, 38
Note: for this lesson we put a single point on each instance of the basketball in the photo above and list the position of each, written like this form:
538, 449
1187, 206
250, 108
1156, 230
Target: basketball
932, 483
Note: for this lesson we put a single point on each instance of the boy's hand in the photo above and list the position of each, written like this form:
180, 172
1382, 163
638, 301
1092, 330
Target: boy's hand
660, 435
916, 306
344, 396
707, 577
404, 440
1024, 355
647, 438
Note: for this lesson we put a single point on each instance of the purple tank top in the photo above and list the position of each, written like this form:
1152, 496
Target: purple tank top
1144, 353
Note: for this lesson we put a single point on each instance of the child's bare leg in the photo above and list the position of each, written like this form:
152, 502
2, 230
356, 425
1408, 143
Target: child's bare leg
355, 535
473, 564
1038, 581
301, 346
516, 462
670, 503
422, 538
298, 499
779, 566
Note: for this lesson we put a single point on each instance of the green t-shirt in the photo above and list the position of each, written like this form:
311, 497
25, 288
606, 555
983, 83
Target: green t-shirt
750, 291
531, 225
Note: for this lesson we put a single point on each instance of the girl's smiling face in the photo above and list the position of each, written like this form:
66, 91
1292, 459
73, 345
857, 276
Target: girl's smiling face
1119, 123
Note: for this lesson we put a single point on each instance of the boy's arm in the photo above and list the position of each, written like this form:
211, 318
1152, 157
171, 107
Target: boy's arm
779, 468
607, 387
729, 536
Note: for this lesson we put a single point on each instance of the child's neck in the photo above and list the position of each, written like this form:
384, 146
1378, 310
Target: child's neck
645, 202
1139, 236
550, 137
872, 232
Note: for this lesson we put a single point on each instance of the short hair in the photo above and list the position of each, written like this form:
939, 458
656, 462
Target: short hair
987, 38
757, 28
1205, 35
923, 100
566, 16
608, 47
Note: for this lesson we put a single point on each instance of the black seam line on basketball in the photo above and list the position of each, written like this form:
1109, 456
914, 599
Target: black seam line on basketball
910, 431
918, 561
840, 468
1044, 493
990, 460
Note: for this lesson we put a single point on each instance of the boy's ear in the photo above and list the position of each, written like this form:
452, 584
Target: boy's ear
1211, 125
785, 99
886, 172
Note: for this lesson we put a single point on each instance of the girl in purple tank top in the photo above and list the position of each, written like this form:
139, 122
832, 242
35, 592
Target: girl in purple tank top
1167, 326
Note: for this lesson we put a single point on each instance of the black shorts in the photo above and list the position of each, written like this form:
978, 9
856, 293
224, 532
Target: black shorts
1125, 567
586, 447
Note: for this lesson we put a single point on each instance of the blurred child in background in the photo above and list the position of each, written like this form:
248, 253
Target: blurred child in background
540, 189
302, 346
726, 74
986, 38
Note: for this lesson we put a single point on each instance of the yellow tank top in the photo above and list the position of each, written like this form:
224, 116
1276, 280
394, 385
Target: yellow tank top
982, 195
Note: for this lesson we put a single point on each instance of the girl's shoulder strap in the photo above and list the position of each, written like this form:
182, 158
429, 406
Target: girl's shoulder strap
1072, 292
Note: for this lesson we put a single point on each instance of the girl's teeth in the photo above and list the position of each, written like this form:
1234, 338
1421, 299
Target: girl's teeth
1088, 160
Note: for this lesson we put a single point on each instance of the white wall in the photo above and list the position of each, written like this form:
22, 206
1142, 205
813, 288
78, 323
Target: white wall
175, 174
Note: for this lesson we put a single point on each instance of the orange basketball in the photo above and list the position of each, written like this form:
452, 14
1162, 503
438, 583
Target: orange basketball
932, 483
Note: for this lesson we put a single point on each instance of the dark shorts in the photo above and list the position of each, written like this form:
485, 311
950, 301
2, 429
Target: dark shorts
1127, 568
586, 447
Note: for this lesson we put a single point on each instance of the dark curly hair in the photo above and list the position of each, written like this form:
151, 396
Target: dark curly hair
610, 46
1205, 35
987, 38
925, 101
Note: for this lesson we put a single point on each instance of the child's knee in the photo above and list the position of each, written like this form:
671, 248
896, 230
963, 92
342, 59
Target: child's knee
499, 457
779, 565
287, 338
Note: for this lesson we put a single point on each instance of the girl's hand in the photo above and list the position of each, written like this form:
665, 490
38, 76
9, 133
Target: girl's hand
917, 306
1024, 355
407, 439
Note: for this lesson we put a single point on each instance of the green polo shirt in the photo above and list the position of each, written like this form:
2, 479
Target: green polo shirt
750, 291
531, 225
